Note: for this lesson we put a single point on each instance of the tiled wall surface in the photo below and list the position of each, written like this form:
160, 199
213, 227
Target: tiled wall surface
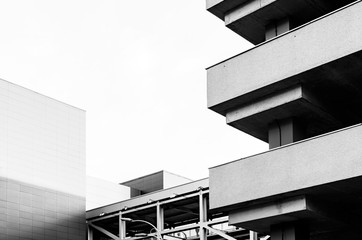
42, 166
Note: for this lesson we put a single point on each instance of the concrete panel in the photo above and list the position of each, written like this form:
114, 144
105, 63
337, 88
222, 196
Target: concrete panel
296, 102
249, 18
42, 166
310, 163
219, 7
245, 9
306, 51
266, 103
268, 210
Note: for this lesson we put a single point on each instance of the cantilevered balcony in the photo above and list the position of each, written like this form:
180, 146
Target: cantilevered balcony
323, 57
317, 181
251, 18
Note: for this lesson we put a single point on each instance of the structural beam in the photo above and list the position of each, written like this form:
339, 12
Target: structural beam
109, 234
122, 227
89, 233
202, 216
218, 232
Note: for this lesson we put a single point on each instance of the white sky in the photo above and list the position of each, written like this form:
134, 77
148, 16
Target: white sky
138, 69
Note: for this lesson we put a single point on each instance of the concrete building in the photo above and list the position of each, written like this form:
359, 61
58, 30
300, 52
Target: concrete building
42, 167
300, 90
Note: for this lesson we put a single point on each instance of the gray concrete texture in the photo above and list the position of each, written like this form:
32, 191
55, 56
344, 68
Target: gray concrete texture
250, 19
292, 168
301, 55
297, 102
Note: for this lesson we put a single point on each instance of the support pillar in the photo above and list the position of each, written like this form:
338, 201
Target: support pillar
253, 235
122, 227
289, 231
89, 233
285, 131
203, 216
276, 28
160, 220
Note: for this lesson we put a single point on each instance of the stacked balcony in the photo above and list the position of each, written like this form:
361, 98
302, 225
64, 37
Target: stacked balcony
300, 90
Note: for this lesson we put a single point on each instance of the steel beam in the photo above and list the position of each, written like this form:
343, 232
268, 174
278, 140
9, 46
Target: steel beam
122, 227
160, 217
218, 232
89, 233
253, 235
109, 234
203, 216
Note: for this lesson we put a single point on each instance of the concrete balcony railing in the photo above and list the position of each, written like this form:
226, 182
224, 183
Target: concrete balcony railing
314, 162
324, 56
251, 18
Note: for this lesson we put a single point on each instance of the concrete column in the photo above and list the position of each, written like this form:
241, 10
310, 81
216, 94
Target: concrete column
285, 131
276, 28
289, 231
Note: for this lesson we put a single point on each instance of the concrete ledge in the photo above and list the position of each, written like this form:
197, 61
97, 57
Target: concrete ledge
296, 102
219, 7
270, 210
250, 18
292, 169
318, 215
319, 54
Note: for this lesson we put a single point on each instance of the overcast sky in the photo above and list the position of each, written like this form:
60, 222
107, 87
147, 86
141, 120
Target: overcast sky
138, 69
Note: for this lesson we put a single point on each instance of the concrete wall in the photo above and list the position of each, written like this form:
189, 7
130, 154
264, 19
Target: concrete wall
101, 192
42, 166
325, 159
172, 180
310, 46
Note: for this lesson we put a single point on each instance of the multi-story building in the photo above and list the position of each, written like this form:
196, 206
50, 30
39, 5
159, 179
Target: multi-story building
300, 90
42, 166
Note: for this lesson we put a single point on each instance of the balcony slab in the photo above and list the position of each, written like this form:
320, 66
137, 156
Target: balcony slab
254, 118
249, 18
328, 166
324, 55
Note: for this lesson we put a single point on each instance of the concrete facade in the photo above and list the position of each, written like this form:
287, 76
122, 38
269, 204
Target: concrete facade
42, 166
299, 90
306, 164
301, 55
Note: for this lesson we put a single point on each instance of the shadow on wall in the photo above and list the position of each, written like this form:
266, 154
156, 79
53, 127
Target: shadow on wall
38, 213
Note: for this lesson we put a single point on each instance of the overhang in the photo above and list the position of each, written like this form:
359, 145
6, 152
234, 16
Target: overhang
328, 166
325, 56
297, 101
249, 18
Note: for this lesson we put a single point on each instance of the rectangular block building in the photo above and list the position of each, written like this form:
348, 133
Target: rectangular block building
42, 166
